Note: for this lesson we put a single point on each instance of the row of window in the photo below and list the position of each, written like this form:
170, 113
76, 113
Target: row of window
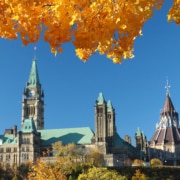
25, 141
162, 153
25, 149
8, 157
8, 149
25, 156
30, 110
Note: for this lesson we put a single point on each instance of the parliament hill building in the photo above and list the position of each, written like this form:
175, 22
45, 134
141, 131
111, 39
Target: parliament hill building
29, 143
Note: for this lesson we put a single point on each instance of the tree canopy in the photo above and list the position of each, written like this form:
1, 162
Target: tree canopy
155, 162
100, 174
107, 26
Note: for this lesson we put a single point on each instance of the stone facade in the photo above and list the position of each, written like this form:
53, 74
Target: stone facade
32, 140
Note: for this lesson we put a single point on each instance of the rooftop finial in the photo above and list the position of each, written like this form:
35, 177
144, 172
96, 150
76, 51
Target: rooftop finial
167, 87
35, 52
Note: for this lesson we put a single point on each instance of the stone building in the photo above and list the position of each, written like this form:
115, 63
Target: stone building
141, 144
29, 143
165, 143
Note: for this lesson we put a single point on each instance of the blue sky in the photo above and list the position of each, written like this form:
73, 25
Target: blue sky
136, 88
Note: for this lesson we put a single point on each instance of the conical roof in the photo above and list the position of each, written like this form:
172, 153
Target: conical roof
28, 126
168, 108
168, 105
167, 131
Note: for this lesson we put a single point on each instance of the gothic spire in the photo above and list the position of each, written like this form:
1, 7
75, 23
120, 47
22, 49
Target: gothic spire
33, 77
168, 105
109, 106
100, 99
138, 132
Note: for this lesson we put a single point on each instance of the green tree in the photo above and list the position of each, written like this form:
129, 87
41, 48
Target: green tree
94, 157
96, 173
78, 154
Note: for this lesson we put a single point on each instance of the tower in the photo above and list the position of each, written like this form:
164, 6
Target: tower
166, 139
110, 123
33, 99
141, 144
141, 141
104, 121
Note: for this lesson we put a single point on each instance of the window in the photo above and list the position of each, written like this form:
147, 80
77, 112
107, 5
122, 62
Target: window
25, 156
8, 157
8, 149
1, 150
27, 148
15, 158
25, 140
99, 110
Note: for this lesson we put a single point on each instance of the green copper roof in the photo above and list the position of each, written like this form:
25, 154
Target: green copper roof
138, 132
28, 126
100, 99
70, 135
8, 139
143, 135
33, 77
109, 106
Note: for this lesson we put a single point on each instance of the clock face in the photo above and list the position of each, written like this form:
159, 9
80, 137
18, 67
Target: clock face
31, 93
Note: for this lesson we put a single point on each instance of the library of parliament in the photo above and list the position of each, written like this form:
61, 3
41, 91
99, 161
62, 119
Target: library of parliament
29, 143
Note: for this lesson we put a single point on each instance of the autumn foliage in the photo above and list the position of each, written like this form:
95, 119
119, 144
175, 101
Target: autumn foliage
42, 171
155, 162
107, 26
139, 176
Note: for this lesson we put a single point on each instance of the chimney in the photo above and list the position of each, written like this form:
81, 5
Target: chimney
15, 131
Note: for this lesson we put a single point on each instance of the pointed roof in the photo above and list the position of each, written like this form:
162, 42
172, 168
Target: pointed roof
33, 77
29, 126
138, 132
167, 131
168, 107
109, 106
100, 99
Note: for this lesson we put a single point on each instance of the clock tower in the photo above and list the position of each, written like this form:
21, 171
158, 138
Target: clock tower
33, 99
